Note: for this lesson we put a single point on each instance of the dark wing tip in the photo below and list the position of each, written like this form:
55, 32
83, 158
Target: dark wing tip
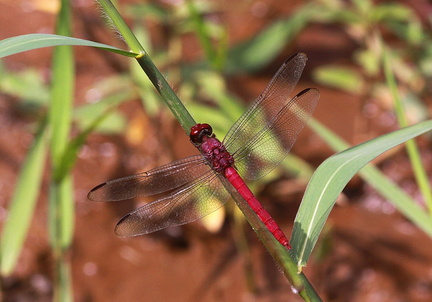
93, 194
304, 91
119, 230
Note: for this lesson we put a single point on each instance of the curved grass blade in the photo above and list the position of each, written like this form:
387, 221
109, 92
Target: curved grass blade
15, 45
332, 176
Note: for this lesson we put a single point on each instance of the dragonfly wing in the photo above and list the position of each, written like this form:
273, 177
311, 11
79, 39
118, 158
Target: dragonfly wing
164, 178
271, 144
267, 105
189, 203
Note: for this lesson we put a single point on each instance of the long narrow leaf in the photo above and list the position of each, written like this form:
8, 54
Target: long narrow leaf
329, 180
23, 204
401, 200
393, 193
61, 205
14, 45
411, 146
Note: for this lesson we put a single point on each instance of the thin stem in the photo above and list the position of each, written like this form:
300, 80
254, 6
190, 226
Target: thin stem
168, 95
146, 63
122, 27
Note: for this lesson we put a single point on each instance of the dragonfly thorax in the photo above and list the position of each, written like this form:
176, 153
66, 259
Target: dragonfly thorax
202, 137
215, 152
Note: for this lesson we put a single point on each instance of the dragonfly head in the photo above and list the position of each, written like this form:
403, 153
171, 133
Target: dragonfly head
199, 131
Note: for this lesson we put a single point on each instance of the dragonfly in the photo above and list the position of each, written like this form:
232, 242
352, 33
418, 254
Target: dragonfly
198, 185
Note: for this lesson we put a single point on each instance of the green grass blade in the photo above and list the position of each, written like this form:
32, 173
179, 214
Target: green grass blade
64, 275
61, 205
114, 123
339, 77
411, 146
61, 214
61, 101
23, 203
15, 45
202, 32
329, 180
402, 201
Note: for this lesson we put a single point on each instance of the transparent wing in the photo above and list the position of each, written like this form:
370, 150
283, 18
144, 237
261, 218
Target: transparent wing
269, 146
189, 203
267, 105
161, 179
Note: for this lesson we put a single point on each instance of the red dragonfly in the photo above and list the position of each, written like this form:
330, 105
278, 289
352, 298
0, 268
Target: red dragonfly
256, 143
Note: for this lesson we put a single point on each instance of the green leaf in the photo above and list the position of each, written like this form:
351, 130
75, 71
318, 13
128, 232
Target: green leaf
151, 11
339, 77
114, 122
61, 205
260, 50
332, 176
15, 45
391, 12
368, 60
412, 149
61, 210
26, 85
23, 204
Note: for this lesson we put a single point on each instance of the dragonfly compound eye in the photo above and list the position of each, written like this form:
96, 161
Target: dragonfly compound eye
198, 132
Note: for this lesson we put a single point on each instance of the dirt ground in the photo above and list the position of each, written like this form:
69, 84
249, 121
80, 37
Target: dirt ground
369, 251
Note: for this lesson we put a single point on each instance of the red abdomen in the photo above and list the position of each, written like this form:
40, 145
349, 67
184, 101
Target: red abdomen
238, 183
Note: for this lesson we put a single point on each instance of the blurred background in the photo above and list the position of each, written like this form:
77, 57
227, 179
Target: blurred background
218, 56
